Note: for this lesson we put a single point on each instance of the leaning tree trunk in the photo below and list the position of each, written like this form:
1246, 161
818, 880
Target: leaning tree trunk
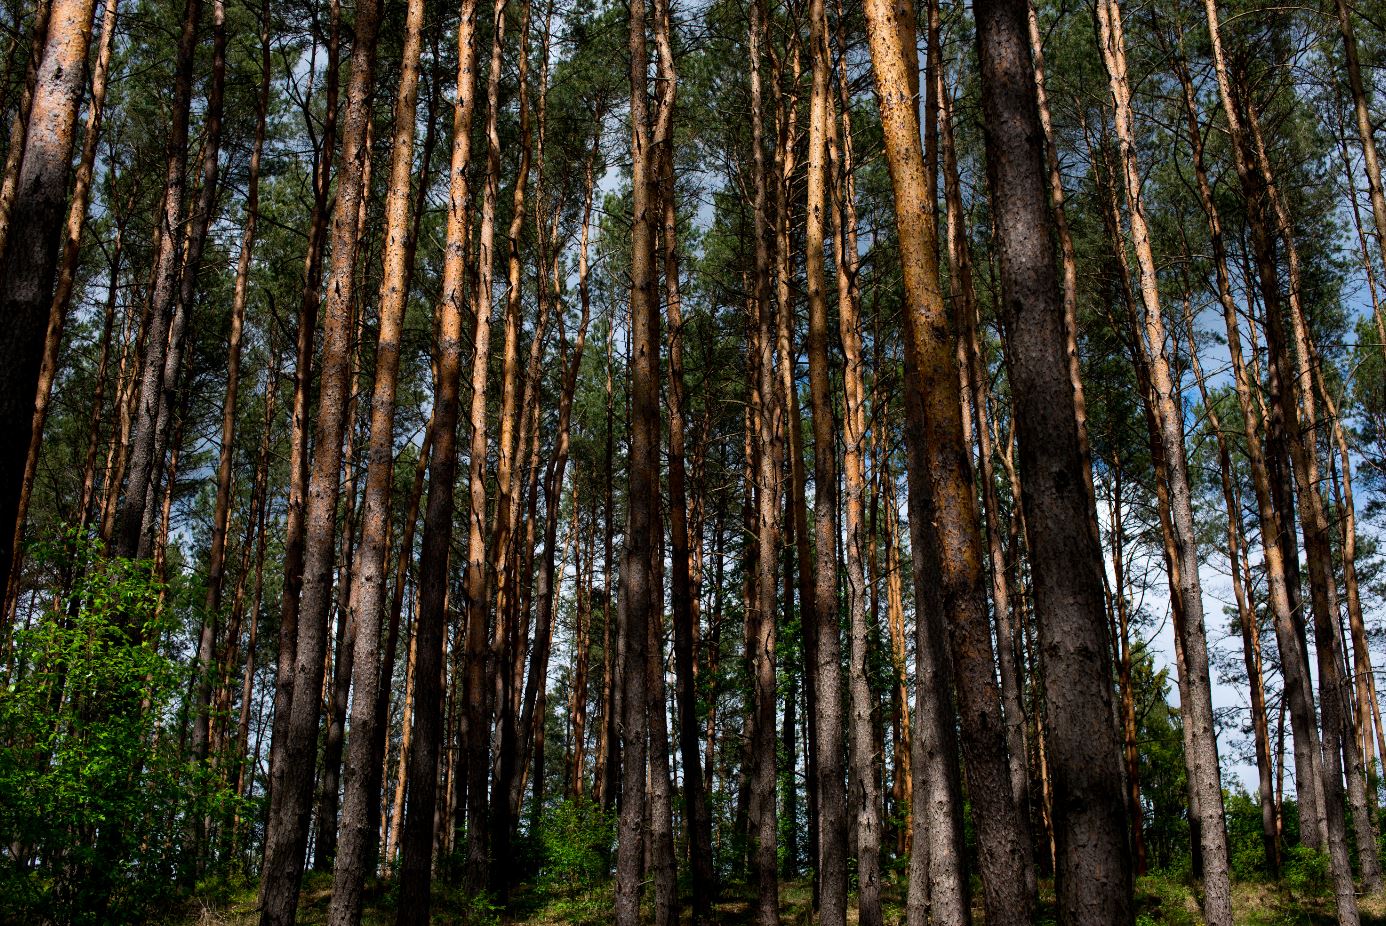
1201, 756
1093, 877
29, 261
62, 294
1294, 664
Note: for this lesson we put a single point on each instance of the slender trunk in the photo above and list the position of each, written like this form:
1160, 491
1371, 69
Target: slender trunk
768, 418
221, 512
134, 537
431, 623
1294, 663
683, 595
641, 594
1247, 617
287, 833
1201, 757
295, 523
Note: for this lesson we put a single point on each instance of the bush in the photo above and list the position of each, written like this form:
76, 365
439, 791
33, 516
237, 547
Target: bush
95, 798
1305, 871
575, 841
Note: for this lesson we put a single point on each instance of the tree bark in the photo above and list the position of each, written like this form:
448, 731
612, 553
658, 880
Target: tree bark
355, 850
28, 262
1205, 786
287, 832
1093, 878
62, 293
640, 590
430, 624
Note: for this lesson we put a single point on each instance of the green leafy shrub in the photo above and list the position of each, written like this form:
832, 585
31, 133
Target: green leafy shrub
95, 797
575, 840
1305, 871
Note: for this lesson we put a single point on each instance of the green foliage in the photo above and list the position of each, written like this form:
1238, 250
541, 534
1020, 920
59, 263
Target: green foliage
1165, 900
576, 839
93, 789
1246, 849
1305, 871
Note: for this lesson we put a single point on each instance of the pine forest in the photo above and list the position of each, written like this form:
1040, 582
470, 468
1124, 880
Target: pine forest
889, 462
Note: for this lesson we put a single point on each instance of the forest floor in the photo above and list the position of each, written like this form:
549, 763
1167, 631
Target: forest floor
1160, 900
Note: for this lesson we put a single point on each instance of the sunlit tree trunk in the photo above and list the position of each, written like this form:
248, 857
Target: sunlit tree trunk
941, 458
29, 261
67, 275
431, 622
1201, 744
1294, 663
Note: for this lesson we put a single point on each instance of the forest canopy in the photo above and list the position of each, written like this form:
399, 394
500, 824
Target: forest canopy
648, 461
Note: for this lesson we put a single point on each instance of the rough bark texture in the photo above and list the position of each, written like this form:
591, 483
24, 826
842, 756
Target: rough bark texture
640, 590
287, 832
356, 838
430, 624
1093, 877
767, 453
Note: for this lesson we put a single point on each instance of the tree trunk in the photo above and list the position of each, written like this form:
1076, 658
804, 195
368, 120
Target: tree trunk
941, 460
287, 832
767, 418
298, 444
62, 294
1294, 663
355, 850
28, 262
431, 623
1247, 617
641, 594
1205, 786
1093, 880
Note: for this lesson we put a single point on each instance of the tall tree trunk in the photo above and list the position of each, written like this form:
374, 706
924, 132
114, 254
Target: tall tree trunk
29, 262
1201, 757
865, 799
431, 622
683, 595
1294, 662
294, 526
134, 537
62, 294
969, 322
221, 513
1248, 619
355, 848
500, 568
641, 594
477, 580
941, 458
1093, 878
287, 832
